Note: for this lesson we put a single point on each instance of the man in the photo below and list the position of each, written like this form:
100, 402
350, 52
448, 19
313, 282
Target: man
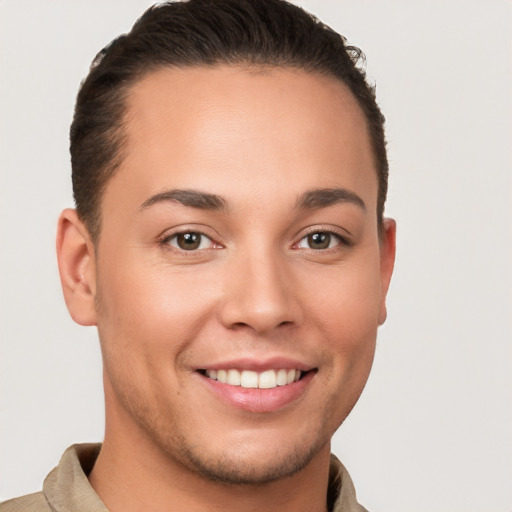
230, 174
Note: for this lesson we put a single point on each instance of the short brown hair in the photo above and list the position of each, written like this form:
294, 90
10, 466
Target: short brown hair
208, 33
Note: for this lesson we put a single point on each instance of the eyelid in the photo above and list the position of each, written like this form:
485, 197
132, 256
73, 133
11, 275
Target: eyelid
169, 234
342, 234
173, 241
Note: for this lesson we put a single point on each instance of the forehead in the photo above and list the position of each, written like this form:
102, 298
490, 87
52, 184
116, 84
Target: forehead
210, 128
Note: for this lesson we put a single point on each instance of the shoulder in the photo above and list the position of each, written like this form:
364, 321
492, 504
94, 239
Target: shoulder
341, 495
66, 487
30, 503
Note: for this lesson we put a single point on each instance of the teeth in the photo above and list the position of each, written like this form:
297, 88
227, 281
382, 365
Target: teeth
281, 378
233, 378
268, 379
248, 379
222, 376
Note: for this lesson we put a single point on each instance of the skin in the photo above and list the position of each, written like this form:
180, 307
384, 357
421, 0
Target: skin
254, 289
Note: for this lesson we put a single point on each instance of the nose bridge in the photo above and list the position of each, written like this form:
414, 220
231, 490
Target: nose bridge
258, 291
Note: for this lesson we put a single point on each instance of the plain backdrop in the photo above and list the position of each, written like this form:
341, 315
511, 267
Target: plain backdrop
433, 429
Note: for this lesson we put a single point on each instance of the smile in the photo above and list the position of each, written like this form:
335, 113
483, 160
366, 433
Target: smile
267, 379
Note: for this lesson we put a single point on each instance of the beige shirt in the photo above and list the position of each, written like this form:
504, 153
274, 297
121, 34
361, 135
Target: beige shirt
66, 488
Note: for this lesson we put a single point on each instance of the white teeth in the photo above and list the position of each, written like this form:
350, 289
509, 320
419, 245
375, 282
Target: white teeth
267, 379
233, 378
281, 378
249, 379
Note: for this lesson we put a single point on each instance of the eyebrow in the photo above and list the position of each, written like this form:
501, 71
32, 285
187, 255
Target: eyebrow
187, 197
323, 197
311, 199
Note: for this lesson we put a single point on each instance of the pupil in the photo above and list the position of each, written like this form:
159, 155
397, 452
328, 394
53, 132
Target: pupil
189, 241
319, 240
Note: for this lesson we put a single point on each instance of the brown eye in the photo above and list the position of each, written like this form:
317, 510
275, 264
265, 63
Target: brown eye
320, 240
190, 241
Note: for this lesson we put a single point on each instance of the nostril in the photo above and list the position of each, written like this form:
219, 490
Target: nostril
261, 302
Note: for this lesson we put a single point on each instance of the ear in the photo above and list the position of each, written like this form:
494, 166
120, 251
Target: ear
77, 267
387, 262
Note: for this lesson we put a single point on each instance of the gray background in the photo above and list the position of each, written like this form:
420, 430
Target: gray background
433, 430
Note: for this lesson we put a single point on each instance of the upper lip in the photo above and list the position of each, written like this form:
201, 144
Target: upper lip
258, 365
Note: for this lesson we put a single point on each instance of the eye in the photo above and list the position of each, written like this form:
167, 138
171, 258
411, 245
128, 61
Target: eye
319, 240
190, 241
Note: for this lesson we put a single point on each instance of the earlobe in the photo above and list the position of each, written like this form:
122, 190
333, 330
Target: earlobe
75, 254
387, 262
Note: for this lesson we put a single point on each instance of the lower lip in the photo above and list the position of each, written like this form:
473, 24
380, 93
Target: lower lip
260, 400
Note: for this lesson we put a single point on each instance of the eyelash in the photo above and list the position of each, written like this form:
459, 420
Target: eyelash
166, 241
343, 241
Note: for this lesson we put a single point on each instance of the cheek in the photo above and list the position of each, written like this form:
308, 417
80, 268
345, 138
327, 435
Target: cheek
151, 309
147, 317
347, 315
349, 322
349, 306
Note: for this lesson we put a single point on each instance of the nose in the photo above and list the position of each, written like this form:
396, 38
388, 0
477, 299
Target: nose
259, 294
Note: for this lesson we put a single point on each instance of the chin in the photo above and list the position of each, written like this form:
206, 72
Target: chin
245, 468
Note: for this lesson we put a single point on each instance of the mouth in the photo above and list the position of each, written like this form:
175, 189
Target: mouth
249, 379
259, 386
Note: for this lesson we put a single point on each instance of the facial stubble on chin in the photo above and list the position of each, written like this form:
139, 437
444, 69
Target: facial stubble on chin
222, 468
229, 471
236, 470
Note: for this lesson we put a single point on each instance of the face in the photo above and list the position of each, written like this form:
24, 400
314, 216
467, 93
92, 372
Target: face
240, 279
